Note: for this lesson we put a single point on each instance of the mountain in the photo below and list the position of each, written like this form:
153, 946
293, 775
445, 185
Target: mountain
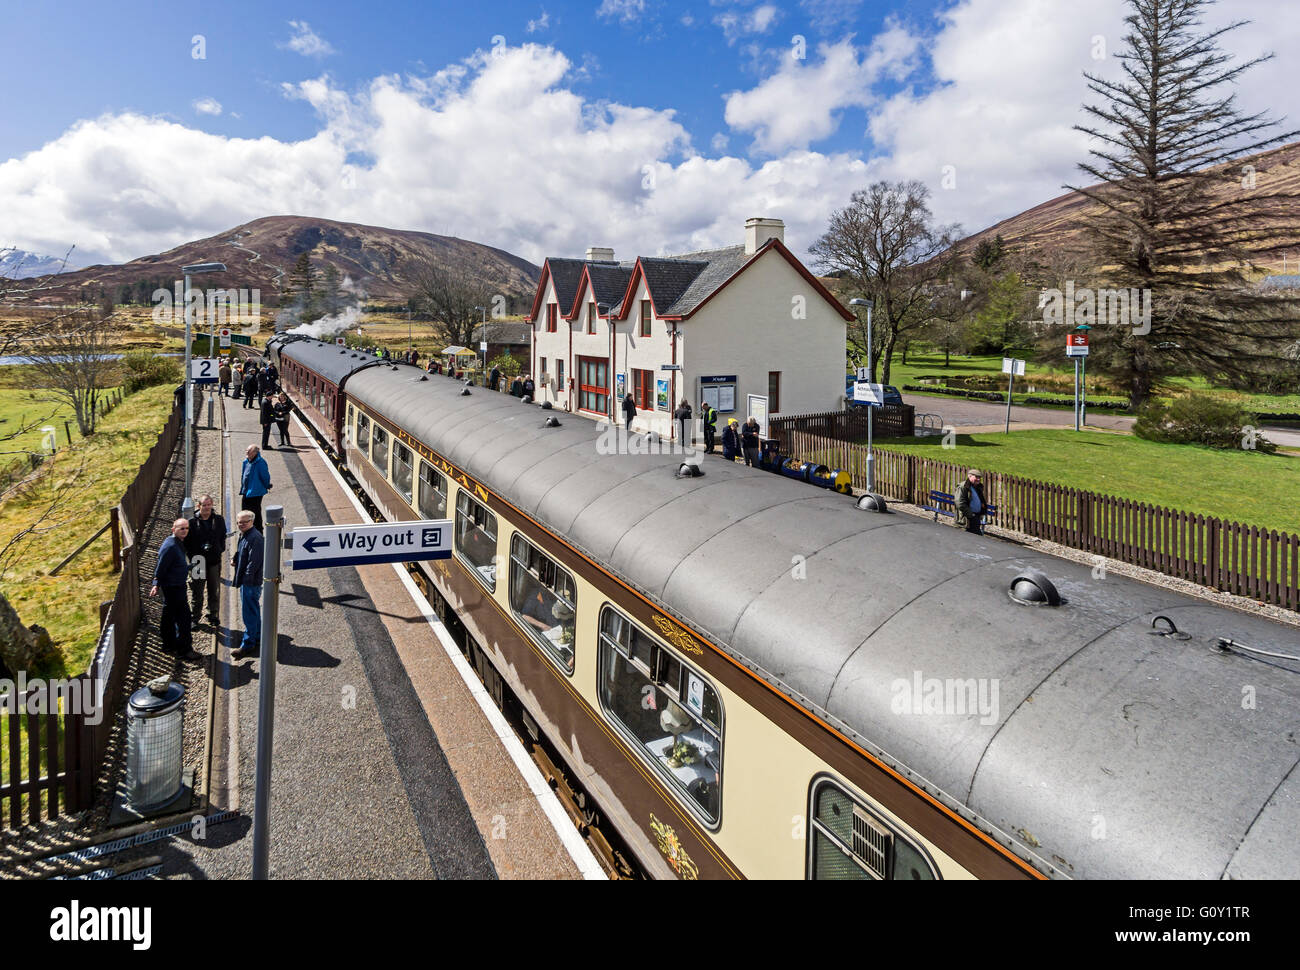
258, 254
17, 264
1063, 222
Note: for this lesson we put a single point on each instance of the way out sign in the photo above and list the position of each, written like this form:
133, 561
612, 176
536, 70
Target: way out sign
359, 545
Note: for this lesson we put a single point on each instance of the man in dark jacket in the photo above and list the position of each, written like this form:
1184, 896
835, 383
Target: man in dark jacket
710, 418
494, 379
517, 387
530, 389
207, 538
248, 580
169, 575
250, 385
223, 376
267, 419
751, 441
629, 411
971, 503
265, 384
683, 416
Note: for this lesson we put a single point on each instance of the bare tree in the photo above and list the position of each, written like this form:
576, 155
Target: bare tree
886, 247
71, 354
1179, 219
452, 295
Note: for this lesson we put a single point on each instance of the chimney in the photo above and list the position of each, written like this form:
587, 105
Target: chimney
758, 231
599, 254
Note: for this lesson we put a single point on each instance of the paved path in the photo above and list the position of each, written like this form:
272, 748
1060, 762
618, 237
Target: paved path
976, 417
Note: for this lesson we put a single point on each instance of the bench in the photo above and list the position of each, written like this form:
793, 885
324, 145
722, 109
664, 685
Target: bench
944, 503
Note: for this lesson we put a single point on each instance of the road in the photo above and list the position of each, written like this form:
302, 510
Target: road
970, 417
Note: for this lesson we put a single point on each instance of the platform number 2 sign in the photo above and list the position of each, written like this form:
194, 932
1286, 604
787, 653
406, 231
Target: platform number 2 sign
203, 370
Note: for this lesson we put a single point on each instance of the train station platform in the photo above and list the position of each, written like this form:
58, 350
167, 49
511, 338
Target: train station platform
388, 762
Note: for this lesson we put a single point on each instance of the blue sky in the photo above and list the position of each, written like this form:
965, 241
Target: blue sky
651, 126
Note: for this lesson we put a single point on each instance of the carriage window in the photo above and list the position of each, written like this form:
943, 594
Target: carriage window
476, 538
542, 596
672, 712
846, 841
363, 433
402, 470
380, 450
433, 493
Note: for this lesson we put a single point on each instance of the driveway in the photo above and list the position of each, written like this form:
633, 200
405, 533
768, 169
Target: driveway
973, 417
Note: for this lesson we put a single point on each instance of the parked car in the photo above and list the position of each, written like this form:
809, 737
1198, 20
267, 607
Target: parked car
892, 395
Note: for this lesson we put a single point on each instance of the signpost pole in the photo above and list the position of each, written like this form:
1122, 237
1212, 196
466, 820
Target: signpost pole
1076, 394
1083, 393
266, 689
871, 411
1011, 382
189, 389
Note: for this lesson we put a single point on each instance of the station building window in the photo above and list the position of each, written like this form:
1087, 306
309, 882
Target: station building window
542, 596
379, 451
670, 710
402, 470
433, 492
363, 433
476, 538
848, 841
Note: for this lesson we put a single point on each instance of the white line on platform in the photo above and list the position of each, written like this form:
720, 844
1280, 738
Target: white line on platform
546, 798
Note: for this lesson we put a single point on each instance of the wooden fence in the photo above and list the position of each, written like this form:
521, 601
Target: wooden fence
56, 739
893, 421
1250, 561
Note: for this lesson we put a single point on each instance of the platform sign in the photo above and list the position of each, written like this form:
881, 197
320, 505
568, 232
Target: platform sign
864, 374
204, 370
1076, 345
224, 337
341, 341
359, 545
867, 393
1012, 366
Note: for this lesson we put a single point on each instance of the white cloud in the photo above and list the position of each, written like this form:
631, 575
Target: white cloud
207, 106
1009, 88
110, 184
306, 41
827, 16
800, 102
736, 23
625, 11
719, 143
541, 23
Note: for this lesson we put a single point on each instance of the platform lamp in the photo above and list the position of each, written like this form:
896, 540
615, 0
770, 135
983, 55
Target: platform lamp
194, 269
871, 411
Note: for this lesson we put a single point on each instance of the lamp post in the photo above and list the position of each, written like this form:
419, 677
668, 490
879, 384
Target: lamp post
194, 269
871, 410
483, 340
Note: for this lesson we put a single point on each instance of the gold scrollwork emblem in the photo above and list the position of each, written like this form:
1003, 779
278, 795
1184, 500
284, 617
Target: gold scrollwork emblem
678, 637
672, 848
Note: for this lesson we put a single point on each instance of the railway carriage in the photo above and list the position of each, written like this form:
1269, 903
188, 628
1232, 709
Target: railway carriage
753, 678
313, 374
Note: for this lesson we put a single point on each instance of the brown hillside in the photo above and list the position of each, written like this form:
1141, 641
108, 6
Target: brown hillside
1062, 222
371, 256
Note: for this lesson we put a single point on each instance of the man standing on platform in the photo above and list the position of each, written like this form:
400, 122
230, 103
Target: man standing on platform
250, 384
254, 483
207, 538
169, 575
248, 580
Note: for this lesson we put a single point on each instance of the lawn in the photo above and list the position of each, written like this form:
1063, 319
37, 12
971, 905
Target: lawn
68, 604
1239, 486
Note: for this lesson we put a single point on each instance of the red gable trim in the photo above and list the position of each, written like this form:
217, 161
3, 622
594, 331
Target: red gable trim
541, 288
584, 283
789, 258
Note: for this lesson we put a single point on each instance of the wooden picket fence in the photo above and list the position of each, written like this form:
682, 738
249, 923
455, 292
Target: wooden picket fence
52, 750
1247, 560
894, 421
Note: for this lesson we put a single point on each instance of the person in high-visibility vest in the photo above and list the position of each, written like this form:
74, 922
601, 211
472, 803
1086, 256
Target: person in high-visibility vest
710, 417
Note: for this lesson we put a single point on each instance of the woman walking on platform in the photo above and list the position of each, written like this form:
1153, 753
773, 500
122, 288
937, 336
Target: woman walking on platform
281, 411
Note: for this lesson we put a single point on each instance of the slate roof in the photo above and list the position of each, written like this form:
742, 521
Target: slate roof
506, 332
566, 274
707, 271
609, 282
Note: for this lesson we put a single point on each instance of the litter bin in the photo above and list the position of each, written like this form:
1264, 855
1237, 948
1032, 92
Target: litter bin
769, 455
155, 723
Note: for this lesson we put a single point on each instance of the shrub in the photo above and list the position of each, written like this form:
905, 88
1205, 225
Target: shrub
1199, 419
146, 369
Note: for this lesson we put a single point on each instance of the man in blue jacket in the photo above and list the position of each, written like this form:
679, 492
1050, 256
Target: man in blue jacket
248, 580
170, 575
254, 483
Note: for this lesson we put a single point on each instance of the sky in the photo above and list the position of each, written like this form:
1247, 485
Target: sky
543, 128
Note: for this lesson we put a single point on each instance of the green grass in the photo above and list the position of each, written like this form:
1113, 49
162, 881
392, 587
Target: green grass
1239, 486
68, 604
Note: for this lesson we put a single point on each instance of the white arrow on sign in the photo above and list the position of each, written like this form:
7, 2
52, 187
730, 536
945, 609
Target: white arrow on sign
358, 545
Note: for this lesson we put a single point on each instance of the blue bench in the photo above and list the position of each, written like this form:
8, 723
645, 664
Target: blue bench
944, 503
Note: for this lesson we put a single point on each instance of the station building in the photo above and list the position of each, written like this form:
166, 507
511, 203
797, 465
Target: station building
747, 328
